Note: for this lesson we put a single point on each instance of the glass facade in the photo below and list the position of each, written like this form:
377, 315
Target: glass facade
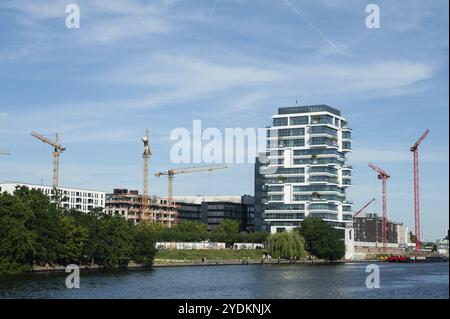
319, 157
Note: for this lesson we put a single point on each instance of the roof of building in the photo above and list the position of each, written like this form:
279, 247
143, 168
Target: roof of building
308, 109
199, 199
38, 185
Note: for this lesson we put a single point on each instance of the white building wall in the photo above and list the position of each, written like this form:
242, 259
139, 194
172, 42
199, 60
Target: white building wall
82, 200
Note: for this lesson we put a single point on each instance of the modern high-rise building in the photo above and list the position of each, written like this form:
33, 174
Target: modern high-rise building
307, 173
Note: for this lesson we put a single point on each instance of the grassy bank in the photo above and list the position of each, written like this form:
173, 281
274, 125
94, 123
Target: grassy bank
213, 254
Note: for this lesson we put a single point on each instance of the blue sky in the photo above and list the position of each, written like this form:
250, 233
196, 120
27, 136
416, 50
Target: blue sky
230, 63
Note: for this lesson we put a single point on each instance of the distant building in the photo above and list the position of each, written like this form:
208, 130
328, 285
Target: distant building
212, 210
368, 229
83, 200
368, 237
442, 246
128, 203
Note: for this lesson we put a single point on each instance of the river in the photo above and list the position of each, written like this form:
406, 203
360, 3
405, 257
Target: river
427, 280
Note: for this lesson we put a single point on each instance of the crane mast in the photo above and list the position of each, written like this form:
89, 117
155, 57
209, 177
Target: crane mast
57, 150
415, 150
383, 176
146, 156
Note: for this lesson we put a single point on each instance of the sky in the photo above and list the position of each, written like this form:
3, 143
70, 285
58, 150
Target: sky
159, 65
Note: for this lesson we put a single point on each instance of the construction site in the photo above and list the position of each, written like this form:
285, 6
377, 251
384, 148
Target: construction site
372, 235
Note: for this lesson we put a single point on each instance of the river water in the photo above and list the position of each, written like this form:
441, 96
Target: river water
427, 280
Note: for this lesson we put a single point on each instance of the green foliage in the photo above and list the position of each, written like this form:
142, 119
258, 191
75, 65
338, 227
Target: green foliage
73, 238
192, 227
209, 254
143, 246
33, 230
322, 240
286, 245
227, 226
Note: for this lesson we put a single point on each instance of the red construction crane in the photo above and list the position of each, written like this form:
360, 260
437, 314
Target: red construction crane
364, 207
383, 176
415, 150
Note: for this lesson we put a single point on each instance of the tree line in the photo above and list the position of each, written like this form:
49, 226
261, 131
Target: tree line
36, 231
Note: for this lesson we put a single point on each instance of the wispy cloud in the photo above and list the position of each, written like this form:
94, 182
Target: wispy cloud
395, 156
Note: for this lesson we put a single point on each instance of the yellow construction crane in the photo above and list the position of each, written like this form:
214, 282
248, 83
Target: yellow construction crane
171, 174
146, 156
58, 149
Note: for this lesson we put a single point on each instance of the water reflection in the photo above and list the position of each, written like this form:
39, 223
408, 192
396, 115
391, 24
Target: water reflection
253, 281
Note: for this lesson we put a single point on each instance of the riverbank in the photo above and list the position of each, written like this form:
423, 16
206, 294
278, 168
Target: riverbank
191, 263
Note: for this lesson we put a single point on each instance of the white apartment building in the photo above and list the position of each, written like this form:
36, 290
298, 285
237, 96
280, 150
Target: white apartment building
83, 200
308, 173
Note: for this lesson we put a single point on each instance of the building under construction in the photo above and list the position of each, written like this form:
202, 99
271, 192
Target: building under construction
128, 203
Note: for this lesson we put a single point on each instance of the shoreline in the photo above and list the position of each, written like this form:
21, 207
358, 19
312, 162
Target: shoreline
173, 263
180, 263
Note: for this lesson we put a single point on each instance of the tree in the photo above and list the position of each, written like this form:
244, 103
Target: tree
191, 227
228, 226
16, 245
44, 222
322, 240
111, 240
286, 245
143, 246
74, 237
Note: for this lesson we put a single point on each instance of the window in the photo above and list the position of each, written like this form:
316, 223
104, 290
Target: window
318, 188
280, 121
323, 141
323, 130
299, 120
275, 188
285, 207
275, 197
287, 132
292, 143
321, 119
298, 170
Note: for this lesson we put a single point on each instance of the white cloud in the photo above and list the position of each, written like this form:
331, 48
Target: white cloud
196, 78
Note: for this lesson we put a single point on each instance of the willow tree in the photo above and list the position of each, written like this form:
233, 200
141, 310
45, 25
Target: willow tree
286, 245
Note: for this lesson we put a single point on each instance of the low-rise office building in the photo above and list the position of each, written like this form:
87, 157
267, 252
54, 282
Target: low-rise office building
83, 200
212, 210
